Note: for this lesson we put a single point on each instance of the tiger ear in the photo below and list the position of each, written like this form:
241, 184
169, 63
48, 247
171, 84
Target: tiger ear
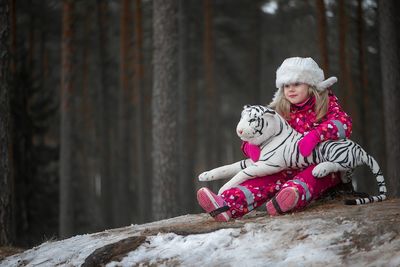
246, 106
269, 111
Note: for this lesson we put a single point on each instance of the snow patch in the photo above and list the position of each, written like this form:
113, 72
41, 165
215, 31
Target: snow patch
279, 241
270, 7
275, 243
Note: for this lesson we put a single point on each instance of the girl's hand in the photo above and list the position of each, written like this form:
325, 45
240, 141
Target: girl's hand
308, 143
251, 151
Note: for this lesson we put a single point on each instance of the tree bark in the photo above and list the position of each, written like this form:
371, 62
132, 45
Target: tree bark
31, 39
142, 175
5, 166
13, 47
211, 112
114, 251
13, 73
211, 116
67, 92
390, 67
104, 119
122, 205
322, 34
86, 157
346, 82
342, 52
187, 110
363, 80
165, 153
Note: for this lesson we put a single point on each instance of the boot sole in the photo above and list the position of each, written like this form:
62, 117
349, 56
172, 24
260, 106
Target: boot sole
209, 203
285, 199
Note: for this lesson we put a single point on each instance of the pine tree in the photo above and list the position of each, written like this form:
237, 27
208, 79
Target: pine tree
165, 153
66, 145
5, 166
390, 66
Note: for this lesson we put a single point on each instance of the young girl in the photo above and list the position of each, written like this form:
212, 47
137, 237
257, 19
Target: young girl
304, 99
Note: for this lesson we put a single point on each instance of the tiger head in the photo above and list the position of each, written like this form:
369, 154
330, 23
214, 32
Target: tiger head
257, 124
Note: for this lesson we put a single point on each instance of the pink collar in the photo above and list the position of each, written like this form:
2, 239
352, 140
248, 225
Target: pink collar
302, 103
309, 103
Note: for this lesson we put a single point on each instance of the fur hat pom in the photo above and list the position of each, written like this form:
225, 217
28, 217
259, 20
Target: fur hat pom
327, 83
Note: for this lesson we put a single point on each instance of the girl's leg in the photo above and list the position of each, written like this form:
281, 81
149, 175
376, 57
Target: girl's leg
251, 194
254, 192
213, 204
300, 191
237, 201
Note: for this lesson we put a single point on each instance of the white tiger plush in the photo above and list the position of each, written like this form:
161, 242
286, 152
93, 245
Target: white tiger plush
278, 142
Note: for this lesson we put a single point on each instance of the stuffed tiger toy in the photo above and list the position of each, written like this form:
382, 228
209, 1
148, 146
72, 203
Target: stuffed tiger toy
278, 142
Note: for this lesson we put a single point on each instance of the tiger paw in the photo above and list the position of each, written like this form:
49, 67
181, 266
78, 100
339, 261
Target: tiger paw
322, 169
206, 176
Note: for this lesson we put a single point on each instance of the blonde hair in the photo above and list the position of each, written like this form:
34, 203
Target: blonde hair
282, 105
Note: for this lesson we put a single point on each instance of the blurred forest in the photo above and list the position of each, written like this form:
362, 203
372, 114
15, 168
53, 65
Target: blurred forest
111, 108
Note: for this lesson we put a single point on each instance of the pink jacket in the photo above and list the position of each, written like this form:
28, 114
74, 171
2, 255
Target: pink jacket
335, 125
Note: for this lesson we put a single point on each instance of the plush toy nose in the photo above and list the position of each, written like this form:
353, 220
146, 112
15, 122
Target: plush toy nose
240, 131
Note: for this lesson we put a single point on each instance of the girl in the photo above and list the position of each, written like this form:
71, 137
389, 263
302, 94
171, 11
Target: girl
304, 99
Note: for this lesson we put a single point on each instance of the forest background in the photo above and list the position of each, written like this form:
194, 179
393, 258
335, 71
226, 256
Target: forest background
110, 109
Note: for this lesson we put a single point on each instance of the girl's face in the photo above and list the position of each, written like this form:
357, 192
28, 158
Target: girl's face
296, 93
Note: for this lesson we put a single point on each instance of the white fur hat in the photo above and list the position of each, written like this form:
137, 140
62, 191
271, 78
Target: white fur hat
303, 70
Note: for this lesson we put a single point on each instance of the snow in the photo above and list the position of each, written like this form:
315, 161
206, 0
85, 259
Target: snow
255, 245
270, 7
263, 241
72, 251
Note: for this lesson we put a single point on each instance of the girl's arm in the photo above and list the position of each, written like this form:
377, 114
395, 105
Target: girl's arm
336, 124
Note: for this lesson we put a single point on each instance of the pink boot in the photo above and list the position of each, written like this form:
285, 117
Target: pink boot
213, 204
284, 201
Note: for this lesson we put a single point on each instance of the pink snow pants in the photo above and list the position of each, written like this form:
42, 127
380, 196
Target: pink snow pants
255, 192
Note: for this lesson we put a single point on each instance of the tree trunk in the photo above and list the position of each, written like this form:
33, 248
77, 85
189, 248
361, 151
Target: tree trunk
211, 114
187, 110
346, 82
13, 47
122, 204
86, 186
256, 37
347, 88
13, 73
390, 67
31, 39
211, 101
342, 53
147, 83
5, 166
322, 34
142, 176
165, 153
103, 119
113, 251
363, 80
66, 144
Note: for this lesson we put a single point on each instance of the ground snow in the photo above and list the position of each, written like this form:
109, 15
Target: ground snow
254, 245
68, 252
279, 241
